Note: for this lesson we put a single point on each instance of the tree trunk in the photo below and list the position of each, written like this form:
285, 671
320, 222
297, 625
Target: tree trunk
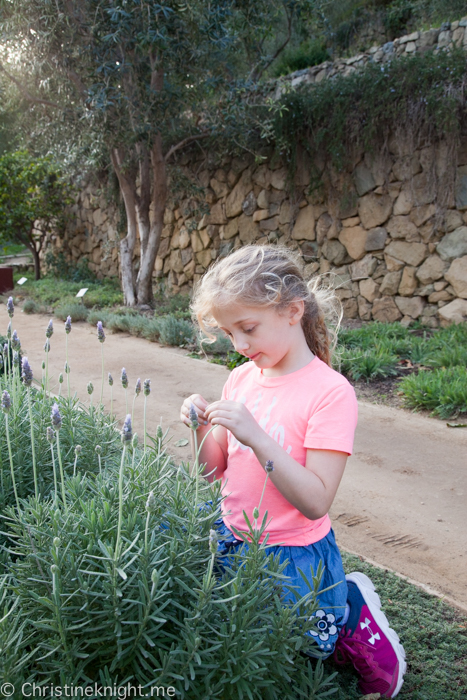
37, 263
159, 199
127, 244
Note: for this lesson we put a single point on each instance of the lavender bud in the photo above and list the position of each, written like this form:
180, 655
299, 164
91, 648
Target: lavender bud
90, 388
127, 432
8, 331
134, 442
15, 343
147, 387
43, 364
100, 332
57, 541
155, 576
193, 417
111, 381
269, 467
16, 360
54, 569
26, 372
213, 539
67, 368
60, 378
256, 513
138, 387
50, 329
1, 361
10, 307
98, 449
124, 378
50, 434
6, 402
56, 417
78, 449
159, 433
68, 325
47, 346
151, 503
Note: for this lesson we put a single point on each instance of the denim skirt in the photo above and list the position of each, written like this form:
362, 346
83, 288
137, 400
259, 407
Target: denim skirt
331, 602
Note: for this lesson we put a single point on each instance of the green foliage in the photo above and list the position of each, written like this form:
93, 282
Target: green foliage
441, 391
424, 92
174, 331
61, 267
77, 311
307, 54
234, 359
51, 291
397, 17
31, 306
367, 364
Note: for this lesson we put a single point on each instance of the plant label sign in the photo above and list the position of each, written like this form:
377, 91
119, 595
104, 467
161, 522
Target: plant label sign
22, 280
82, 292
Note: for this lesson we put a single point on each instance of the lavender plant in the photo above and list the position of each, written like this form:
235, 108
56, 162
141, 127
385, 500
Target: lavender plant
6, 406
136, 394
101, 339
111, 383
146, 392
48, 334
124, 380
67, 366
27, 377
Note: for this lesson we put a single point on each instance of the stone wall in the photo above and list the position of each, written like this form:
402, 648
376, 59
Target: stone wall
393, 228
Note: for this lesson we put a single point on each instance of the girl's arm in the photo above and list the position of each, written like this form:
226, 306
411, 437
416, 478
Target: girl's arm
311, 489
214, 450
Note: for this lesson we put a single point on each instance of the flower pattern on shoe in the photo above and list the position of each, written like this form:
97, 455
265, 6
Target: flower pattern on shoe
325, 625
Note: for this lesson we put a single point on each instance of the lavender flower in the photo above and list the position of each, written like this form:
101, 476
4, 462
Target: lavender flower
138, 387
100, 332
56, 417
68, 325
269, 467
50, 434
56, 541
47, 346
67, 368
147, 387
50, 329
43, 364
90, 388
111, 381
155, 576
60, 378
151, 503
124, 378
78, 449
10, 307
256, 513
5, 350
8, 331
193, 415
15, 342
98, 449
16, 360
134, 441
127, 432
6, 402
26, 372
1, 361
213, 539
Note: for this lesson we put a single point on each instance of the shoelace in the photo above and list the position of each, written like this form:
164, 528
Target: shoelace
356, 651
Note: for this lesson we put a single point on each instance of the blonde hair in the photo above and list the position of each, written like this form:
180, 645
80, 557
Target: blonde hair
269, 275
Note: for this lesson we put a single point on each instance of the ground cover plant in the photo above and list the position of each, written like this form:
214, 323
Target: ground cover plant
108, 560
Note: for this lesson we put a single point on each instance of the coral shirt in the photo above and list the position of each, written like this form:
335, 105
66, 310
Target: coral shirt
314, 407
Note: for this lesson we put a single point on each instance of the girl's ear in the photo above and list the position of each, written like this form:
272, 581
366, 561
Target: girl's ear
296, 310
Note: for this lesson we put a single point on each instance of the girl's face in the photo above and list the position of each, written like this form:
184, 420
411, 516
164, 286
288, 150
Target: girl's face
261, 333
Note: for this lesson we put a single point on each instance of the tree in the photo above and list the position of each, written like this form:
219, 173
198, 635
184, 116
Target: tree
32, 198
145, 80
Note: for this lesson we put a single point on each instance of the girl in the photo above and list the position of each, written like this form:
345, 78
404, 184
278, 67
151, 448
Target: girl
287, 405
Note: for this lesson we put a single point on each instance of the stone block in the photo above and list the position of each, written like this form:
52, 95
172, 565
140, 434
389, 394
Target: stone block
404, 203
186, 255
374, 209
164, 248
385, 310
249, 204
262, 176
204, 258
423, 189
279, 178
364, 308
221, 189
309, 250
406, 167
350, 308
454, 312
432, 269
310, 269
230, 229
286, 212
348, 204
401, 227
196, 242
304, 227
457, 276
363, 179
412, 306
354, 240
351, 222
175, 259
419, 215
408, 283
261, 214
234, 202
452, 220
454, 245
247, 229
363, 268
410, 253
390, 283
269, 224
376, 239
443, 295
263, 199
323, 226
334, 252
369, 289
217, 215
184, 238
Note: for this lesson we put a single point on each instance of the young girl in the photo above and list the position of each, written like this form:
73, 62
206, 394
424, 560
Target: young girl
287, 405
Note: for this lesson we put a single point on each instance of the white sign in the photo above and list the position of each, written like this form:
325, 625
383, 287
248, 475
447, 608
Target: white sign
82, 292
22, 280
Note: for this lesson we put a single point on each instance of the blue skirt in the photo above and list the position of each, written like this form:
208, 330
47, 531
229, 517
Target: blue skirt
332, 602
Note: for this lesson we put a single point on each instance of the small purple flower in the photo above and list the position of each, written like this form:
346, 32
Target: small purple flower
100, 332
138, 387
68, 325
50, 329
127, 432
111, 381
10, 307
15, 342
147, 387
78, 449
193, 417
56, 417
26, 372
5, 350
269, 467
6, 402
50, 434
124, 378
47, 346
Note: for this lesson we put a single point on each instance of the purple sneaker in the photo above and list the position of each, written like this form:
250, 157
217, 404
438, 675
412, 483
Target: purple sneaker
368, 642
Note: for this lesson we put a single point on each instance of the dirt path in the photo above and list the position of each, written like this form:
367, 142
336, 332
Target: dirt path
402, 501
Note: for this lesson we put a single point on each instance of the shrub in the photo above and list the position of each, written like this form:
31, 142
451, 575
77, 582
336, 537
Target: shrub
95, 315
309, 53
31, 307
151, 330
77, 311
368, 364
221, 346
441, 391
174, 331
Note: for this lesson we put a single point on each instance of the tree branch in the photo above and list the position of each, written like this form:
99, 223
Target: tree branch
26, 93
185, 142
258, 71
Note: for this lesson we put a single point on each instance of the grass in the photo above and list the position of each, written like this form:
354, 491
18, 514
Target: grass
434, 636
442, 391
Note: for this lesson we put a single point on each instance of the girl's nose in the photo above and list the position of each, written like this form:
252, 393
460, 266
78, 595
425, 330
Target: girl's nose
241, 345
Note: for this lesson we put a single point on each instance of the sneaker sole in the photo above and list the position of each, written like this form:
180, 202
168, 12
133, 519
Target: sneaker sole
373, 602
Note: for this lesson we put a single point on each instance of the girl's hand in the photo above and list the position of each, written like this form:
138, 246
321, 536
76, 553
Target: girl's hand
199, 404
234, 416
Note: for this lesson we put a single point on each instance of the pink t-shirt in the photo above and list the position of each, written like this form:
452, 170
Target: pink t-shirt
314, 407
